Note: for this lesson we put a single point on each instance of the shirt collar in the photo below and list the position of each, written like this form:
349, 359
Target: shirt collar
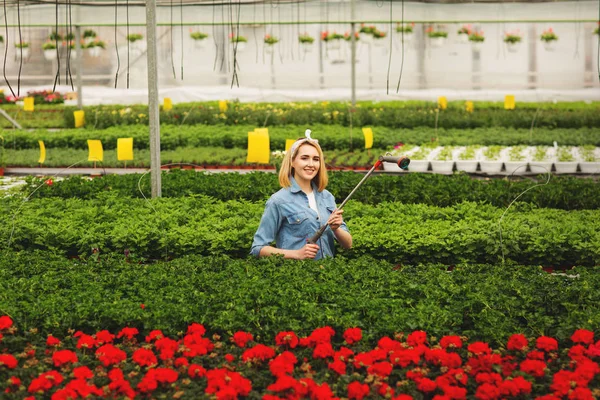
295, 188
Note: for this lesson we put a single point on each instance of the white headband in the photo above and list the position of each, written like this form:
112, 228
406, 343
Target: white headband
299, 142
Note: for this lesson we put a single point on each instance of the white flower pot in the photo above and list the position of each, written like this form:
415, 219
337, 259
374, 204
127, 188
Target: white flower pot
515, 167
437, 42
469, 166
50, 54
24, 54
241, 46
334, 44
442, 167
408, 37
476, 46
550, 46
565, 167
269, 48
513, 47
366, 38
87, 41
589, 167
490, 167
307, 47
94, 51
463, 38
540, 167
200, 44
418, 166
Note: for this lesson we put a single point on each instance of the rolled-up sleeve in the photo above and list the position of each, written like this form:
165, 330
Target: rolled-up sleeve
267, 230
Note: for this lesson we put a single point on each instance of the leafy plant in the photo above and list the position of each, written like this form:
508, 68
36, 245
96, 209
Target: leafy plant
89, 33
465, 30
326, 36
348, 37
198, 35
96, 43
134, 37
237, 39
270, 40
49, 46
516, 153
22, 45
588, 153
405, 28
1, 39
565, 154
377, 34
477, 36
306, 38
432, 33
540, 153
512, 37
469, 152
55, 36
492, 153
548, 35
367, 29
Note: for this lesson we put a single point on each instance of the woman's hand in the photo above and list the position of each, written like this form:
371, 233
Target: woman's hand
309, 251
335, 219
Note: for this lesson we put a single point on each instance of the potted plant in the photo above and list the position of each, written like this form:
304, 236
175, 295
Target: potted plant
565, 161
22, 49
378, 37
590, 161
95, 47
549, 39
437, 38
464, 32
477, 39
516, 165
332, 39
49, 49
238, 41
348, 37
368, 31
134, 37
443, 161
306, 41
467, 159
54, 37
492, 165
198, 38
512, 40
1, 41
597, 30
540, 163
270, 42
88, 36
405, 32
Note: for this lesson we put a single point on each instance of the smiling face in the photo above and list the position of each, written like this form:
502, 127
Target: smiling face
306, 163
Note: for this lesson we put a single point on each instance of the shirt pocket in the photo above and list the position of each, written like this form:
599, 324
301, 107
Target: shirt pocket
299, 224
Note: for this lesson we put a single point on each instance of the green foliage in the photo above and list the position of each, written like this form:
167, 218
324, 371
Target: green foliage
198, 35
484, 302
134, 37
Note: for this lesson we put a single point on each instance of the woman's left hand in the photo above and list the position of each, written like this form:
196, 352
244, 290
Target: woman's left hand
335, 219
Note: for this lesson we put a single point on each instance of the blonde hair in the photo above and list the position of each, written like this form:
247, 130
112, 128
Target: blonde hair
286, 167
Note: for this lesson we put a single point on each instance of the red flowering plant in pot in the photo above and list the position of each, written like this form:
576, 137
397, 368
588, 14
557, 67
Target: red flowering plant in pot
322, 365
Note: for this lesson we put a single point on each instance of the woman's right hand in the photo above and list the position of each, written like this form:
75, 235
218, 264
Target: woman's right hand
308, 251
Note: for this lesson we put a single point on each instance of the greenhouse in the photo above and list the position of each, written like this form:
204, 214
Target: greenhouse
285, 199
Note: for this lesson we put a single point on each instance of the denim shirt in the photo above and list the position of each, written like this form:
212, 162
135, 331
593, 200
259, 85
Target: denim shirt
289, 221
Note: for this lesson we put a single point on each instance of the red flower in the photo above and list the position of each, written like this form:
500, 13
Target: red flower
451, 341
323, 350
83, 372
85, 341
536, 355
343, 354
195, 371
479, 348
260, 352
104, 337
229, 358
338, 366
167, 348
321, 335
62, 357
491, 378
416, 338
8, 360
164, 375
352, 335
242, 338
196, 345
51, 341
196, 328
182, 361
404, 358
382, 369
127, 332
287, 339
546, 343
594, 350
583, 336
426, 385
144, 358
45, 381
5, 322
487, 391
228, 381
533, 367
49, 182
283, 364
110, 355
358, 391
154, 335
517, 342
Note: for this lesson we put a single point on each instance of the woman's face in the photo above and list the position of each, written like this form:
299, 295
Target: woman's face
307, 162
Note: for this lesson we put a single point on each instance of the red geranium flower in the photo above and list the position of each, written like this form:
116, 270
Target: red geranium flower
358, 391
51, 341
83, 372
62, 357
242, 338
127, 332
8, 360
195, 371
196, 328
583, 336
517, 342
416, 338
451, 341
104, 337
154, 335
546, 343
110, 355
487, 391
260, 352
479, 348
352, 335
287, 339
5, 322
533, 367
338, 366
283, 364
144, 358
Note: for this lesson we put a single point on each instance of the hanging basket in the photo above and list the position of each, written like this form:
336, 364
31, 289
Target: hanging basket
476, 46
200, 44
513, 47
241, 46
50, 54
306, 47
437, 42
408, 37
550, 45
94, 51
463, 38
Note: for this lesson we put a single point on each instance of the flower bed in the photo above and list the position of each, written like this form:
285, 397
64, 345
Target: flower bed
322, 365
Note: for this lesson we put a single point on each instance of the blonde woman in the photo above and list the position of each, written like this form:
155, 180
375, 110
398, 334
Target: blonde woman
300, 208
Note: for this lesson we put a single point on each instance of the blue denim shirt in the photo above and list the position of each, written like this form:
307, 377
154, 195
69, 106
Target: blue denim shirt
289, 221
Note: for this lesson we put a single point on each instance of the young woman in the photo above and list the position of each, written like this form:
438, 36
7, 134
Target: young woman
297, 211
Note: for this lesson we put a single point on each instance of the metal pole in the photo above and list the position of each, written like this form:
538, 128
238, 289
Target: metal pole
153, 103
79, 61
353, 51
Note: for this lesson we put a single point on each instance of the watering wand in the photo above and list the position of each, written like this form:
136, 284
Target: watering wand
402, 162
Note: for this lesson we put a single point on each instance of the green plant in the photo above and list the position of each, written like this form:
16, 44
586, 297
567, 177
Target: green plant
270, 40
348, 37
516, 153
377, 34
588, 153
445, 154
134, 37
49, 46
306, 38
22, 45
469, 152
54, 36
1, 151
237, 39
540, 153
1, 39
198, 35
565, 154
548, 35
326, 36
492, 153
512, 37
97, 43
405, 28
477, 36
367, 29
432, 33
465, 30
89, 33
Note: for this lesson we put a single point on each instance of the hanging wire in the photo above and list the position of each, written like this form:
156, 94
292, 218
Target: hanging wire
6, 51
117, 47
127, 28
69, 54
67, 36
390, 59
172, 59
57, 77
402, 61
181, 33
234, 77
20, 48
254, 32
